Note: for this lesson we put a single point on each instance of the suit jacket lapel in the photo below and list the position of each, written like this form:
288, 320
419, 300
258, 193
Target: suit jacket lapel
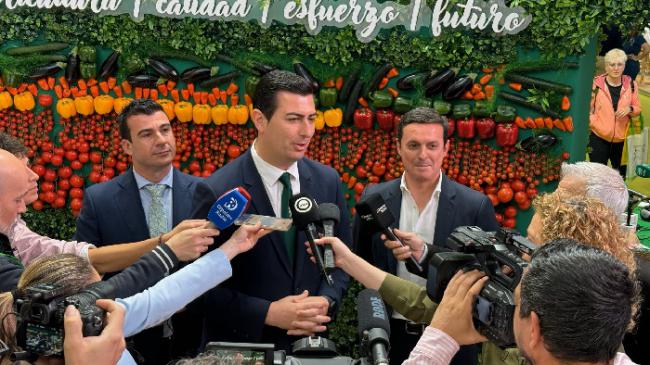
181, 198
130, 206
261, 204
394, 202
445, 214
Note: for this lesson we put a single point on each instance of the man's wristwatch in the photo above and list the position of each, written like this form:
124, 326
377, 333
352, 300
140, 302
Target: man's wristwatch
331, 310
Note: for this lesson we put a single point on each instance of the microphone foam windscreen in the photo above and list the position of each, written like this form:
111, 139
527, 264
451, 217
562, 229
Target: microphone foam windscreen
304, 210
371, 312
329, 211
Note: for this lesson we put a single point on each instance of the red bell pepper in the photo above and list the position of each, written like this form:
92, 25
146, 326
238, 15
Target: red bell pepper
485, 128
451, 127
363, 118
507, 134
466, 128
385, 119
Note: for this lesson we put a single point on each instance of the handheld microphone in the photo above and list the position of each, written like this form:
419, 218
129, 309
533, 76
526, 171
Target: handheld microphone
374, 327
330, 215
230, 206
304, 212
373, 210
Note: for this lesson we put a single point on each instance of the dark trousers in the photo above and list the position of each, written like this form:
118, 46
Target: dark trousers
402, 342
603, 151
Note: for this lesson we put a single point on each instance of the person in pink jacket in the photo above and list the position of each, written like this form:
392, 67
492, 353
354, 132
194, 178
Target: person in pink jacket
614, 100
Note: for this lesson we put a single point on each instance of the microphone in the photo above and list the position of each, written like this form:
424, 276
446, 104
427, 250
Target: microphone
374, 327
305, 215
330, 215
373, 210
230, 206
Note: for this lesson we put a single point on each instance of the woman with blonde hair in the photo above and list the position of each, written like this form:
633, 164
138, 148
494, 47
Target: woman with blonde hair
614, 100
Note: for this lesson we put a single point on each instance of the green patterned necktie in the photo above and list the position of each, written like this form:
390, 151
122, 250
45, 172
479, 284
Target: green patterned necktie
290, 235
156, 215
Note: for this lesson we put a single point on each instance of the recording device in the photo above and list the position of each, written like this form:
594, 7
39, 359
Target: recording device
374, 327
644, 212
330, 216
39, 317
494, 253
305, 214
265, 221
374, 211
229, 207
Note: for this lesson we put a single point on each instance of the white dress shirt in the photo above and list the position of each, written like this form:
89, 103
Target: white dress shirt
270, 178
421, 223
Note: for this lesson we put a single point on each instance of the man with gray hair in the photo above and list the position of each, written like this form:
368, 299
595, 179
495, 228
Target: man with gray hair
597, 181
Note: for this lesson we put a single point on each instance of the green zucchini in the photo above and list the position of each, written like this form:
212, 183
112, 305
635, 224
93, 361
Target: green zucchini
533, 106
544, 66
40, 48
537, 83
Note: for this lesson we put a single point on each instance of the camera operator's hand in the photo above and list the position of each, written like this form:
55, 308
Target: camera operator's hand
190, 243
414, 245
454, 313
297, 315
185, 225
104, 349
244, 239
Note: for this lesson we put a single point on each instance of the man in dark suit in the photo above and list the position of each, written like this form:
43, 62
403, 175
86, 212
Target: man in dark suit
146, 201
275, 293
427, 206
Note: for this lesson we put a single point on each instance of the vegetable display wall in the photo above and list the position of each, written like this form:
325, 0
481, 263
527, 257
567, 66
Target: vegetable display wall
517, 104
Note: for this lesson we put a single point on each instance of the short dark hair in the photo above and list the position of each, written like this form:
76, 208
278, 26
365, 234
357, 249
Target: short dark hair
422, 115
136, 107
272, 83
13, 145
584, 297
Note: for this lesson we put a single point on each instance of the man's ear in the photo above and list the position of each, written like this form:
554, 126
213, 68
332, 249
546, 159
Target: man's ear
127, 147
259, 120
535, 332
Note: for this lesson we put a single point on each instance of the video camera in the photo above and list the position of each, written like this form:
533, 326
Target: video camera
39, 316
497, 255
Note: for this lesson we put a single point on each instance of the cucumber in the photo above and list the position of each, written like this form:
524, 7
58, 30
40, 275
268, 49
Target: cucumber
533, 106
538, 67
537, 83
40, 48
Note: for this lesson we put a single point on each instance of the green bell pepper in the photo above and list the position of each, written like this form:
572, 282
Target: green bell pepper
328, 96
461, 111
402, 105
441, 107
423, 102
481, 109
250, 85
87, 54
87, 70
381, 99
505, 113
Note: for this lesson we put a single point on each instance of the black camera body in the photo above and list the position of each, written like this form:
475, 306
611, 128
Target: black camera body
497, 255
40, 310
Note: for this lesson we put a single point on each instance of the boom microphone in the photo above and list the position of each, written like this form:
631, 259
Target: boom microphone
330, 215
305, 215
374, 327
230, 206
373, 210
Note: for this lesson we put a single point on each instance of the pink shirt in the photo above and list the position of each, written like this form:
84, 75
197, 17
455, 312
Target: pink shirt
438, 348
28, 245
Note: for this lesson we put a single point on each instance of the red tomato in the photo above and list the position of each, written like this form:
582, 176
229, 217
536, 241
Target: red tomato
39, 170
493, 198
95, 157
76, 204
109, 161
45, 100
37, 205
233, 151
76, 165
49, 197
59, 202
524, 205
71, 155
510, 212
505, 194
379, 169
46, 186
83, 157
50, 175
509, 222
63, 184
57, 160
520, 197
76, 193
517, 185
94, 176
498, 217
65, 172
77, 181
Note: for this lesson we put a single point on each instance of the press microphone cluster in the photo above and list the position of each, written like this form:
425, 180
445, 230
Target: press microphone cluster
316, 221
374, 211
228, 207
374, 326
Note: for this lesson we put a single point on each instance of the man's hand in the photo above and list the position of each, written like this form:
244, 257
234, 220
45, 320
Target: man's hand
299, 314
454, 313
342, 252
184, 225
244, 239
189, 244
104, 349
413, 245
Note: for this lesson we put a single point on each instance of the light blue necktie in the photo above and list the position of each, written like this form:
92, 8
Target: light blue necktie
157, 216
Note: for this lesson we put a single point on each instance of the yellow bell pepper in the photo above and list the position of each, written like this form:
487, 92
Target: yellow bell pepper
238, 114
319, 122
183, 111
6, 101
333, 117
120, 103
201, 114
219, 114
103, 104
24, 101
66, 108
84, 105
168, 108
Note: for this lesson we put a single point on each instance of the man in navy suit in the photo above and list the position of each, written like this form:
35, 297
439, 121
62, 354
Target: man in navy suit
145, 201
275, 294
427, 206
